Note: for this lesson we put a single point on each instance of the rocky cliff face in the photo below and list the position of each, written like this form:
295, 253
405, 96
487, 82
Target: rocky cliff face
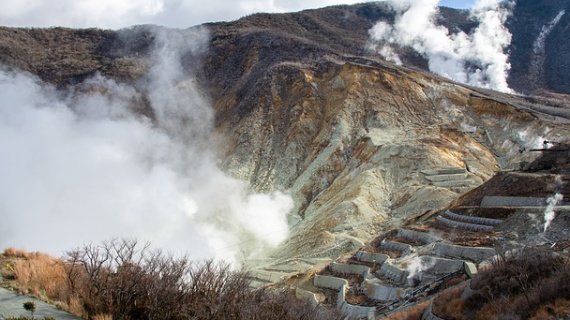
354, 144
360, 144
540, 50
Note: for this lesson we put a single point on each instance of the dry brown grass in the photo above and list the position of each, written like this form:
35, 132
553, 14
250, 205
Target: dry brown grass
557, 310
103, 317
449, 305
123, 280
41, 275
16, 253
412, 313
532, 282
75, 306
487, 312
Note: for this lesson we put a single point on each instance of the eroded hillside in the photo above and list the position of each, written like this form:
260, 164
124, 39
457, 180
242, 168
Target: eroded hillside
305, 108
355, 144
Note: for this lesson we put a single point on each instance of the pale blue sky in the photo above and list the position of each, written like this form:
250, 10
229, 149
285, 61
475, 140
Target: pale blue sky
171, 13
463, 4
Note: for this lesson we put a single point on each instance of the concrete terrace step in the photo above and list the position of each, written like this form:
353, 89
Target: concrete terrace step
340, 285
403, 248
476, 254
268, 276
288, 268
353, 311
256, 284
455, 184
443, 171
329, 282
347, 268
371, 257
447, 177
464, 225
501, 201
393, 272
469, 219
463, 189
376, 290
437, 266
412, 235
357, 312
307, 295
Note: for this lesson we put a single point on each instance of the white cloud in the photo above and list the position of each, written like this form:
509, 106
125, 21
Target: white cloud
116, 14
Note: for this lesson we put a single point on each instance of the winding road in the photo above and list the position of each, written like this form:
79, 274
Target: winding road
11, 305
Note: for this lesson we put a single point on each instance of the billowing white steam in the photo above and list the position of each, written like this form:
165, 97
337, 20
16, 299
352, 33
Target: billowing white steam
551, 203
549, 213
85, 167
477, 59
417, 265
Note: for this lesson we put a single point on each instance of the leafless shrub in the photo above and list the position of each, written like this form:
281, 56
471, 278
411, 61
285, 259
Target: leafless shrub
128, 281
411, 313
519, 283
449, 304
122, 279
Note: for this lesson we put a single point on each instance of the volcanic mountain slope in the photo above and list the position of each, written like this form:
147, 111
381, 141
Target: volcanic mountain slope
539, 53
476, 252
359, 143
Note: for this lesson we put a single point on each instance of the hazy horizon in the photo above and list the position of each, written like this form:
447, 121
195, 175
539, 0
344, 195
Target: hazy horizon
116, 14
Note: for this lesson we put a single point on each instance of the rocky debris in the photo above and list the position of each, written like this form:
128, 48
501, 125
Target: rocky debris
470, 269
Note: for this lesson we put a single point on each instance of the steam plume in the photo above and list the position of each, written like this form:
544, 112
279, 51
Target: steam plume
552, 202
416, 266
476, 59
83, 166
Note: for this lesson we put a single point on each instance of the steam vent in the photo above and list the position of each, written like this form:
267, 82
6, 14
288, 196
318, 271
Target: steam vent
383, 160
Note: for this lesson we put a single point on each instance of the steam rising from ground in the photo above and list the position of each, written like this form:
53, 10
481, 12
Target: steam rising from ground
82, 166
416, 266
549, 213
551, 203
476, 59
